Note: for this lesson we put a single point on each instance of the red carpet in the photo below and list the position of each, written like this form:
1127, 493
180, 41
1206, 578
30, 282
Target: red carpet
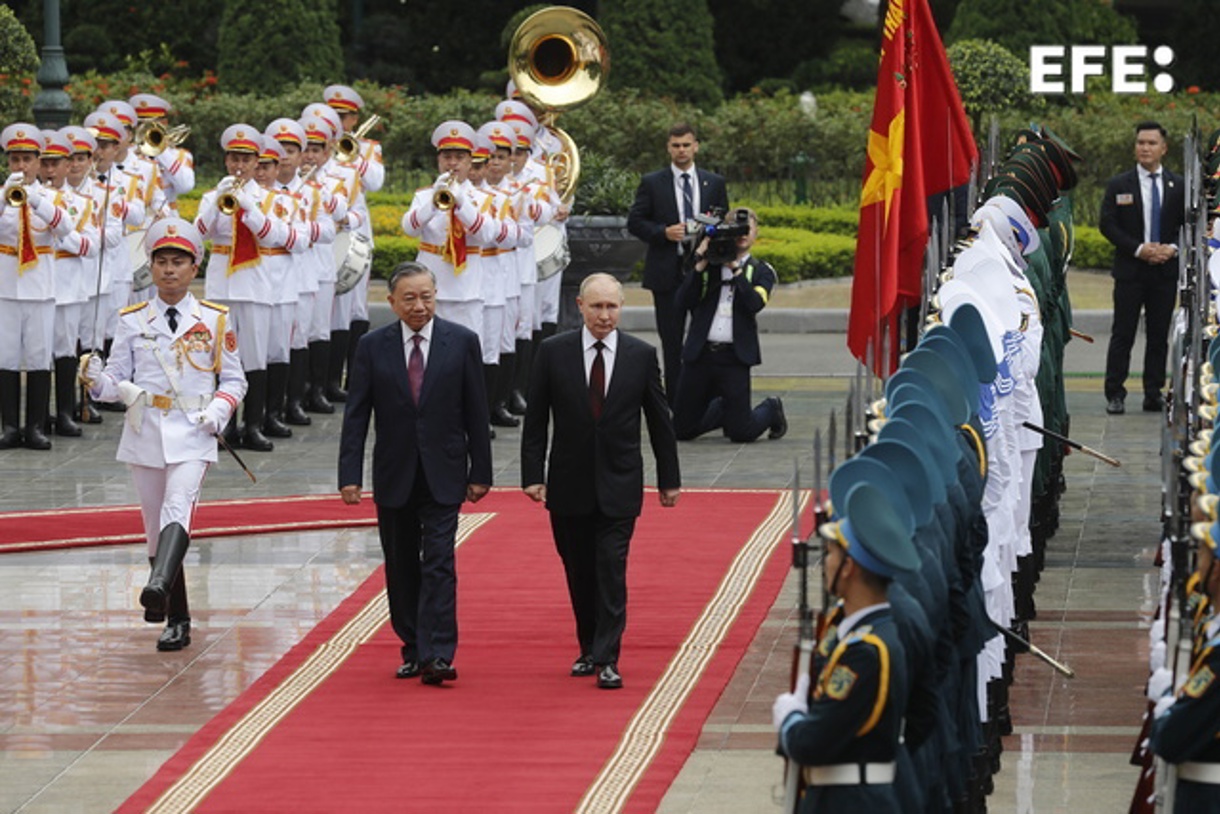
113, 525
329, 728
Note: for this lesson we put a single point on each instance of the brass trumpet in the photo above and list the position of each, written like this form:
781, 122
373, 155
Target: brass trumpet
153, 138
442, 196
347, 148
16, 195
226, 200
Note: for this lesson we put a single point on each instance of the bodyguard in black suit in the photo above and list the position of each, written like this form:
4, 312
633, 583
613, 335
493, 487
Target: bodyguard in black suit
1145, 272
594, 383
421, 378
658, 217
722, 345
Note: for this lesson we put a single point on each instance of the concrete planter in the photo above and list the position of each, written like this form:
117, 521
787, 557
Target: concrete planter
598, 243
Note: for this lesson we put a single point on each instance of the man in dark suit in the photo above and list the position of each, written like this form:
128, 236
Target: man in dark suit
664, 202
721, 346
422, 380
1141, 213
594, 383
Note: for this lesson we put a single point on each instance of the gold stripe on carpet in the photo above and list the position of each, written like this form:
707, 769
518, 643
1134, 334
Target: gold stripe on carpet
645, 734
241, 739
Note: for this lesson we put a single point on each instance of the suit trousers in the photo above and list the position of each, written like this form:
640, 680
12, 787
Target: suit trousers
671, 325
593, 548
417, 540
1156, 296
714, 391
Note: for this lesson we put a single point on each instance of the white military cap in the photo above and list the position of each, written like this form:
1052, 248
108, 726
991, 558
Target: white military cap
174, 233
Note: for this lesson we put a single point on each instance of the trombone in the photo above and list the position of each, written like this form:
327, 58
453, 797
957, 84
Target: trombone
153, 138
347, 148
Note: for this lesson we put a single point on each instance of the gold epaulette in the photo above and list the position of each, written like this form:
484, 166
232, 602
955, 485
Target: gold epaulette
215, 306
131, 309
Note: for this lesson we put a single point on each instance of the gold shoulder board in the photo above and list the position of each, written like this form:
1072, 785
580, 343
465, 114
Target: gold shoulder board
215, 306
131, 309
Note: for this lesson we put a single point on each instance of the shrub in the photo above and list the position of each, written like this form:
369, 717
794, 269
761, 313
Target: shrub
604, 188
989, 78
1092, 250
18, 61
265, 46
389, 252
843, 222
663, 53
800, 255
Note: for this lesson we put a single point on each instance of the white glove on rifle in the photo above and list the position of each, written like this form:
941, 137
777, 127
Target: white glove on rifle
787, 703
1159, 683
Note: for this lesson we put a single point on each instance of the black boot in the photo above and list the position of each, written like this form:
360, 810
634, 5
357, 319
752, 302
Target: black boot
504, 381
338, 358
277, 394
37, 408
521, 376
298, 369
500, 417
255, 407
65, 397
319, 364
171, 549
231, 433
359, 328
10, 409
177, 633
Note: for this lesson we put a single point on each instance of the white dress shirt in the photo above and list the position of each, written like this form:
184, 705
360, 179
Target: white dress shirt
609, 352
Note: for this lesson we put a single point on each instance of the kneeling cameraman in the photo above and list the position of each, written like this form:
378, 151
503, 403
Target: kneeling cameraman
724, 288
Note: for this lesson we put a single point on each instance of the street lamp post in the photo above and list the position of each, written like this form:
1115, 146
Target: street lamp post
52, 107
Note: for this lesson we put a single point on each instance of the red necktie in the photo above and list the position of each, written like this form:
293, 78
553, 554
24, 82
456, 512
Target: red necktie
415, 368
597, 381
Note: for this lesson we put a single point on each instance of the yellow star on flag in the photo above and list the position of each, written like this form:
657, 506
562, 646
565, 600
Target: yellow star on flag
886, 154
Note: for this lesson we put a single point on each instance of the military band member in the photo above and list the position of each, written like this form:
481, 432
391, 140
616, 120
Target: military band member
175, 364
29, 220
175, 166
370, 176
75, 261
846, 733
147, 188
446, 233
235, 274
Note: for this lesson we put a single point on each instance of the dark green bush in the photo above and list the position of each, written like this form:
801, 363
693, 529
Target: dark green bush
264, 47
1092, 250
800, 255
18, 61
662, 52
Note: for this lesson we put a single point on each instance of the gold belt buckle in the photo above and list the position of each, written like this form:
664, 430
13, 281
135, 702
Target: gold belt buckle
163, 402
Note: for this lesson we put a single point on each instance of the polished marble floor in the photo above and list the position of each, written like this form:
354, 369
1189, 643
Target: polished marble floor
89, 710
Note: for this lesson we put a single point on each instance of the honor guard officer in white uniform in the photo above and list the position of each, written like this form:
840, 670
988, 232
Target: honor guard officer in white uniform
331, 181
370, 172
148, 190
29, 220
119, 203
447, 231
175, 165
283, 270
176, 367
75, 261
234, 216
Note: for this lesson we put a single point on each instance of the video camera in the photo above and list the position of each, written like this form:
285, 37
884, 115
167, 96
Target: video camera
721, 235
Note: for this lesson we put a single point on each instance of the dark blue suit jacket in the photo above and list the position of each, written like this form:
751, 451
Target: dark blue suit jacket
1123, 223
448, 432
656, 207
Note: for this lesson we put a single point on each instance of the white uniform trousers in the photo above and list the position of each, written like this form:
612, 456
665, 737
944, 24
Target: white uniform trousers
319, 322
67, 326
341, 310
508, 334
468, 313
547, 292
527, 318
492, 333
360, 303
279, 334
302, 317
98, 305
27, 329
167, 495
251, 321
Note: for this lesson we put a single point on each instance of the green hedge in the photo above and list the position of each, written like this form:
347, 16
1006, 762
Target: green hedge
1092, 250
835, 221
800, 255
390, 252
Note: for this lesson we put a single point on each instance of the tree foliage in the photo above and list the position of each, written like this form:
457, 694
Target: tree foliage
989, 78
768, 39
658, 51
1017, 26
18, 61
266, 46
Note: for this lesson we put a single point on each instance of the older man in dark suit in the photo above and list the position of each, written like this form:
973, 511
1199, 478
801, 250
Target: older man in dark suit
1141, 213
421, 378
594, 383
664, 202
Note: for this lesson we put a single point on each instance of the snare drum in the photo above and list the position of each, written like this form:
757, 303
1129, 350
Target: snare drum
551, 250
353, 259
141, 273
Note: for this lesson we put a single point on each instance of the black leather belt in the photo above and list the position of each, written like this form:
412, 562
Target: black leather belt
717, 347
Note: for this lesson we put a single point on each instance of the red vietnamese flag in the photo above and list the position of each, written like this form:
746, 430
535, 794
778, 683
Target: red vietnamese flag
919, 144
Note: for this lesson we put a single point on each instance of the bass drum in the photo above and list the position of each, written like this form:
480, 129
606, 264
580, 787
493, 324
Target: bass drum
551, 250
353, 259
141, 273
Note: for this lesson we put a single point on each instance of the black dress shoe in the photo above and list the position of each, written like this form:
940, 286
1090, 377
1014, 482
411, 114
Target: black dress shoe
10, 438
608, 678
35, 438
408, 669
501, 417
1154, 403
176, 635
438, 670
274, 428
295, 415
316, 402
253, 439
1115, 407
780, 428
516, 403
583, 667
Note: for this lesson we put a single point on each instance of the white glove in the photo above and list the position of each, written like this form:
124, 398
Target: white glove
245, 200
1163, 706
459, 195
787, 703
90, 369
227, 182
214, 417
14, 179
442, 179
1156, 658
1159, 683
254, 219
